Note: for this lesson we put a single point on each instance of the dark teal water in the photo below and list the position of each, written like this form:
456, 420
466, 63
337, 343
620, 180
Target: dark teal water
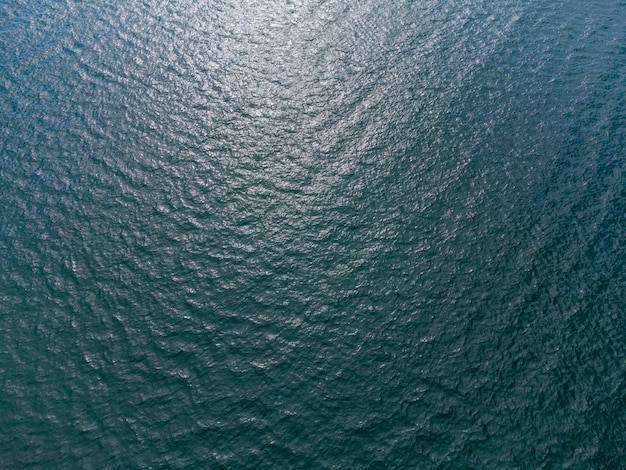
312, 234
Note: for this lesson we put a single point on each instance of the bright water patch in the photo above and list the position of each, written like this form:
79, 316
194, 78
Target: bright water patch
312, 234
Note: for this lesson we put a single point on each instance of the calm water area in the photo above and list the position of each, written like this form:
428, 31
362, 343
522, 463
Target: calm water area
313, 234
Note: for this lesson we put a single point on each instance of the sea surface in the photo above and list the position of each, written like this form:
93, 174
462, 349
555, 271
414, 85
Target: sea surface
313, 234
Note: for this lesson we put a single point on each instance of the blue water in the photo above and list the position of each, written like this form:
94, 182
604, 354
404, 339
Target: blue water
312, 234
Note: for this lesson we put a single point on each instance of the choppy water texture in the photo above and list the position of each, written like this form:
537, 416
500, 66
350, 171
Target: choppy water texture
312, 234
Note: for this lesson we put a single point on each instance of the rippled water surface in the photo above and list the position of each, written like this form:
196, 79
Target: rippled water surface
312, 234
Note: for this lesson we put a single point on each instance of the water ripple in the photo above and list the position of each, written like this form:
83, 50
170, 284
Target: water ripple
312, 234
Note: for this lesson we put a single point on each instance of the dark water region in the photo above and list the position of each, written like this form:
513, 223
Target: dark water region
312, 234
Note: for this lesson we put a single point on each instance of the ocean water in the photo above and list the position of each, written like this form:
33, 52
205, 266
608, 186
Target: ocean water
312, 234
